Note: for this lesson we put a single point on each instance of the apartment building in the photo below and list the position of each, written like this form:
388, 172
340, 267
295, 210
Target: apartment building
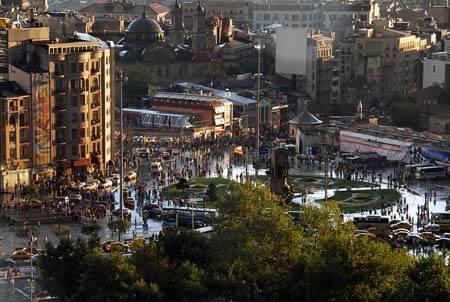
295, 15
70, 86
383, 59
436, 70
318, 67
15, 135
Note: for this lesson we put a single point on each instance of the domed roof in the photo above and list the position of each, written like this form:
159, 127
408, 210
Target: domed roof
144, 25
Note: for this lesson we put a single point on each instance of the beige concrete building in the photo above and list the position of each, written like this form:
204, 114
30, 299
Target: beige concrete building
318, 67
15, 135
70, 87
386, 61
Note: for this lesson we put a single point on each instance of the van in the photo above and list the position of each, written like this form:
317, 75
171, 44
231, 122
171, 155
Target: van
63, 199
156, 167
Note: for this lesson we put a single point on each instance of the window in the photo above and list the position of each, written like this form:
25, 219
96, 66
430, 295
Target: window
82, 100
21, 120
80, 67
295, 17
12, 153
74, 117
74, 101
73, 67
22, 152
82, 117
22, 136
266, 17
74, 133
82, 132
74, 150
12, 136
434, 68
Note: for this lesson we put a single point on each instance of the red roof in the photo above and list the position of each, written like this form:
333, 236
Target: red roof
158, 8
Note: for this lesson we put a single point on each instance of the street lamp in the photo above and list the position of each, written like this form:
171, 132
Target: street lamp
122, 78
258, 47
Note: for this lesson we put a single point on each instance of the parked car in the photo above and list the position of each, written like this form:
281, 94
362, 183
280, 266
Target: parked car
130, 176
129, 202
20, 255
431, 227
75, 197
402, 225
125, 211
116, 247
107, 183
175, 151
62, 199
92, 185
99, 208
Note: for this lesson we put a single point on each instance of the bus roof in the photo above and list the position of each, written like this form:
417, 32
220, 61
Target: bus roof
175, 208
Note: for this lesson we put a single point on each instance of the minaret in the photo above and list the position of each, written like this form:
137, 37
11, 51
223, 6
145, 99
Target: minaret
199, 33
177, 21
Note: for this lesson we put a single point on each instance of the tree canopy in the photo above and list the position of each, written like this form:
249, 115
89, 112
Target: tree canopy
257, 253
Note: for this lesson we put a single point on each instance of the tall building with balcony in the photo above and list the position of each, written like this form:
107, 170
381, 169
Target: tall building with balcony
70, 86
15, 135
380, 62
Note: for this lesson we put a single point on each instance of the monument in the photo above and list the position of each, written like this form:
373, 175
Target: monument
279, 171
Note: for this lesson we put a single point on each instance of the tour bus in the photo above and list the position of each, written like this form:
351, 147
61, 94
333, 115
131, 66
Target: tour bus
379, 223
412, 168
443, 219
184, 216
431, 172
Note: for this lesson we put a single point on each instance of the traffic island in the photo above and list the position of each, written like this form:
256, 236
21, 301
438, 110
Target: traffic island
351, 201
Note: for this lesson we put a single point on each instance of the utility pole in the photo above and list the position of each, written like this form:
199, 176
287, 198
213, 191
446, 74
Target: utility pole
258, 101
122, 79
326, 176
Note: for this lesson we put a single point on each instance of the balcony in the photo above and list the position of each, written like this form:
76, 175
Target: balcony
60, 90
60, 108
95, 121
95, 105
58, 74
95, 137
60, 124
95, 70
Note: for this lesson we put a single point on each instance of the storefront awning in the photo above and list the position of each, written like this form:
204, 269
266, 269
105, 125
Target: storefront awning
82, 162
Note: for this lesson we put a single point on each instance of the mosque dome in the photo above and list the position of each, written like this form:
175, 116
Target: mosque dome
144, 30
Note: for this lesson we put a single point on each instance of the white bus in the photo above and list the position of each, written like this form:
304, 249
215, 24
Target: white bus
413, 168
431, 172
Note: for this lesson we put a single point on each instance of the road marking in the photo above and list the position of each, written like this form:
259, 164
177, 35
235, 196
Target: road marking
22, 292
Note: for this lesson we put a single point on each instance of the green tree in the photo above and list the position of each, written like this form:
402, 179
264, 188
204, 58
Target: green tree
428, 281
185, 245
62, 265
255, 244
26, 230
341, 267
188, 282
119, 226
139, 76
111, 278
406, 114
30, 192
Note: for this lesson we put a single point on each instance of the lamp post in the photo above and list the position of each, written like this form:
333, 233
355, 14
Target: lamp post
122, 78
258, 100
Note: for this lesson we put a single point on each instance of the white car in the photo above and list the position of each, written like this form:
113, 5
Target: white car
75, 197
92, 185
